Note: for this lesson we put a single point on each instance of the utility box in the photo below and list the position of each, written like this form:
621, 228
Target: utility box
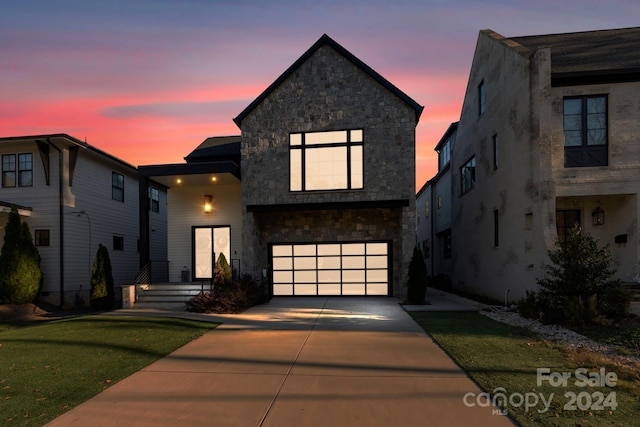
128, 296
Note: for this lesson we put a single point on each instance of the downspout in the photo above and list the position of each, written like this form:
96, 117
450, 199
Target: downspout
431, 241
60, 218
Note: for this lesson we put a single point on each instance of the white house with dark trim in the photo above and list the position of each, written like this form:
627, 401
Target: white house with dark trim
75, 196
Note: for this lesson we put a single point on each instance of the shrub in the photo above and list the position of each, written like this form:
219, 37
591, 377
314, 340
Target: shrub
222, 276
240, 295
529, 306
581, 312
102, 288
20, 274
417, 281
579, 284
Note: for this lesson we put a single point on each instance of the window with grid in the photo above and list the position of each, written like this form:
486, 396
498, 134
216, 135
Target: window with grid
326, 160
566, 219
43, 238
154, 199
117, 186
585, 131
17, 170
468, 175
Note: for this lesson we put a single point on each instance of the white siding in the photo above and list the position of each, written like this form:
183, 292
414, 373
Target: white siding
91, 194
185, 210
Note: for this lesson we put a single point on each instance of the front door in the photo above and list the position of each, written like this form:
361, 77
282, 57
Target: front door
208, 243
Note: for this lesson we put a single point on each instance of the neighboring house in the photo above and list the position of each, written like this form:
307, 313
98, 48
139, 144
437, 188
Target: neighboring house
74, 196
326, 204
548, 138
433, 211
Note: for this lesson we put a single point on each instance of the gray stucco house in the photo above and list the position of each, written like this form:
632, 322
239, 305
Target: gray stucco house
320, 199
547, 138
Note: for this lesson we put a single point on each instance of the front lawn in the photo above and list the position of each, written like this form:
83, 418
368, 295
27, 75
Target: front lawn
499, 356
47, 369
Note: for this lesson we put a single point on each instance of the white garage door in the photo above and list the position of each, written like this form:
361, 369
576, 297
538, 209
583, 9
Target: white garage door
331, 269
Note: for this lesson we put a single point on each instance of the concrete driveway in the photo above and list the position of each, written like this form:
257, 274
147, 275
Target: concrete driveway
297, 362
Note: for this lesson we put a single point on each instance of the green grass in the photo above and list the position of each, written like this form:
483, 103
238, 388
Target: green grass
496, 355
47, 369
625, 334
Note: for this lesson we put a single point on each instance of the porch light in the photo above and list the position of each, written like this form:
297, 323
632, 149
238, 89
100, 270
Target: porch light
208, 203
597, 216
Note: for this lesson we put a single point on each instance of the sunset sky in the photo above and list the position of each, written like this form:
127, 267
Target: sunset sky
148, 80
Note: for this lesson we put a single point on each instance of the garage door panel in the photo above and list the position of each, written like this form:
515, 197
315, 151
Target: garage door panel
353, 262
353, 276
377, 289
353, 289
282, 263
304, 263
305, 289
283, 277
304, 276
279, 289
331, 262
329, 276
353, 249
377, 276
329, 249
378, 261
329, 288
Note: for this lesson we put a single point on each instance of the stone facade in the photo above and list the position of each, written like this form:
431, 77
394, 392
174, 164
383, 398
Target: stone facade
328, 90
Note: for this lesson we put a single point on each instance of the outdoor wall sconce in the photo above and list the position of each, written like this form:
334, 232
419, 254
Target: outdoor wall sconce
597, 216
208, 203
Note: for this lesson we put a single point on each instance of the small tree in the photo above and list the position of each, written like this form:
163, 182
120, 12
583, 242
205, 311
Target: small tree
222, 276
580, 279
20, 274
102, 288
417, 282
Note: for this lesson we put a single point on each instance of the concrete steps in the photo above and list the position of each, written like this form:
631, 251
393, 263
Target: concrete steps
168, 296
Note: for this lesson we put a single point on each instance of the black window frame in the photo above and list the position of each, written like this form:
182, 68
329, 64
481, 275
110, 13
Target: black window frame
304, 148
585, 154
117, 191
444, 155
494, 142
471, 166
9, 168
496, 228
42, 237
154, 199
481, 99
118, 243
562, 226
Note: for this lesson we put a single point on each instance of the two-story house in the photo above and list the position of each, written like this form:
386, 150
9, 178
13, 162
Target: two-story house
75, 196
433, 211
548, 138
323, 202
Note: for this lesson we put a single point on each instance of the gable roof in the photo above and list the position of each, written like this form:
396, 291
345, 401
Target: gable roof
70, 141
326, 40
610, 54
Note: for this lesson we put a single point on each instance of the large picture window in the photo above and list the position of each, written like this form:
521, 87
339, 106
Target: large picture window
326, 160
585, 131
